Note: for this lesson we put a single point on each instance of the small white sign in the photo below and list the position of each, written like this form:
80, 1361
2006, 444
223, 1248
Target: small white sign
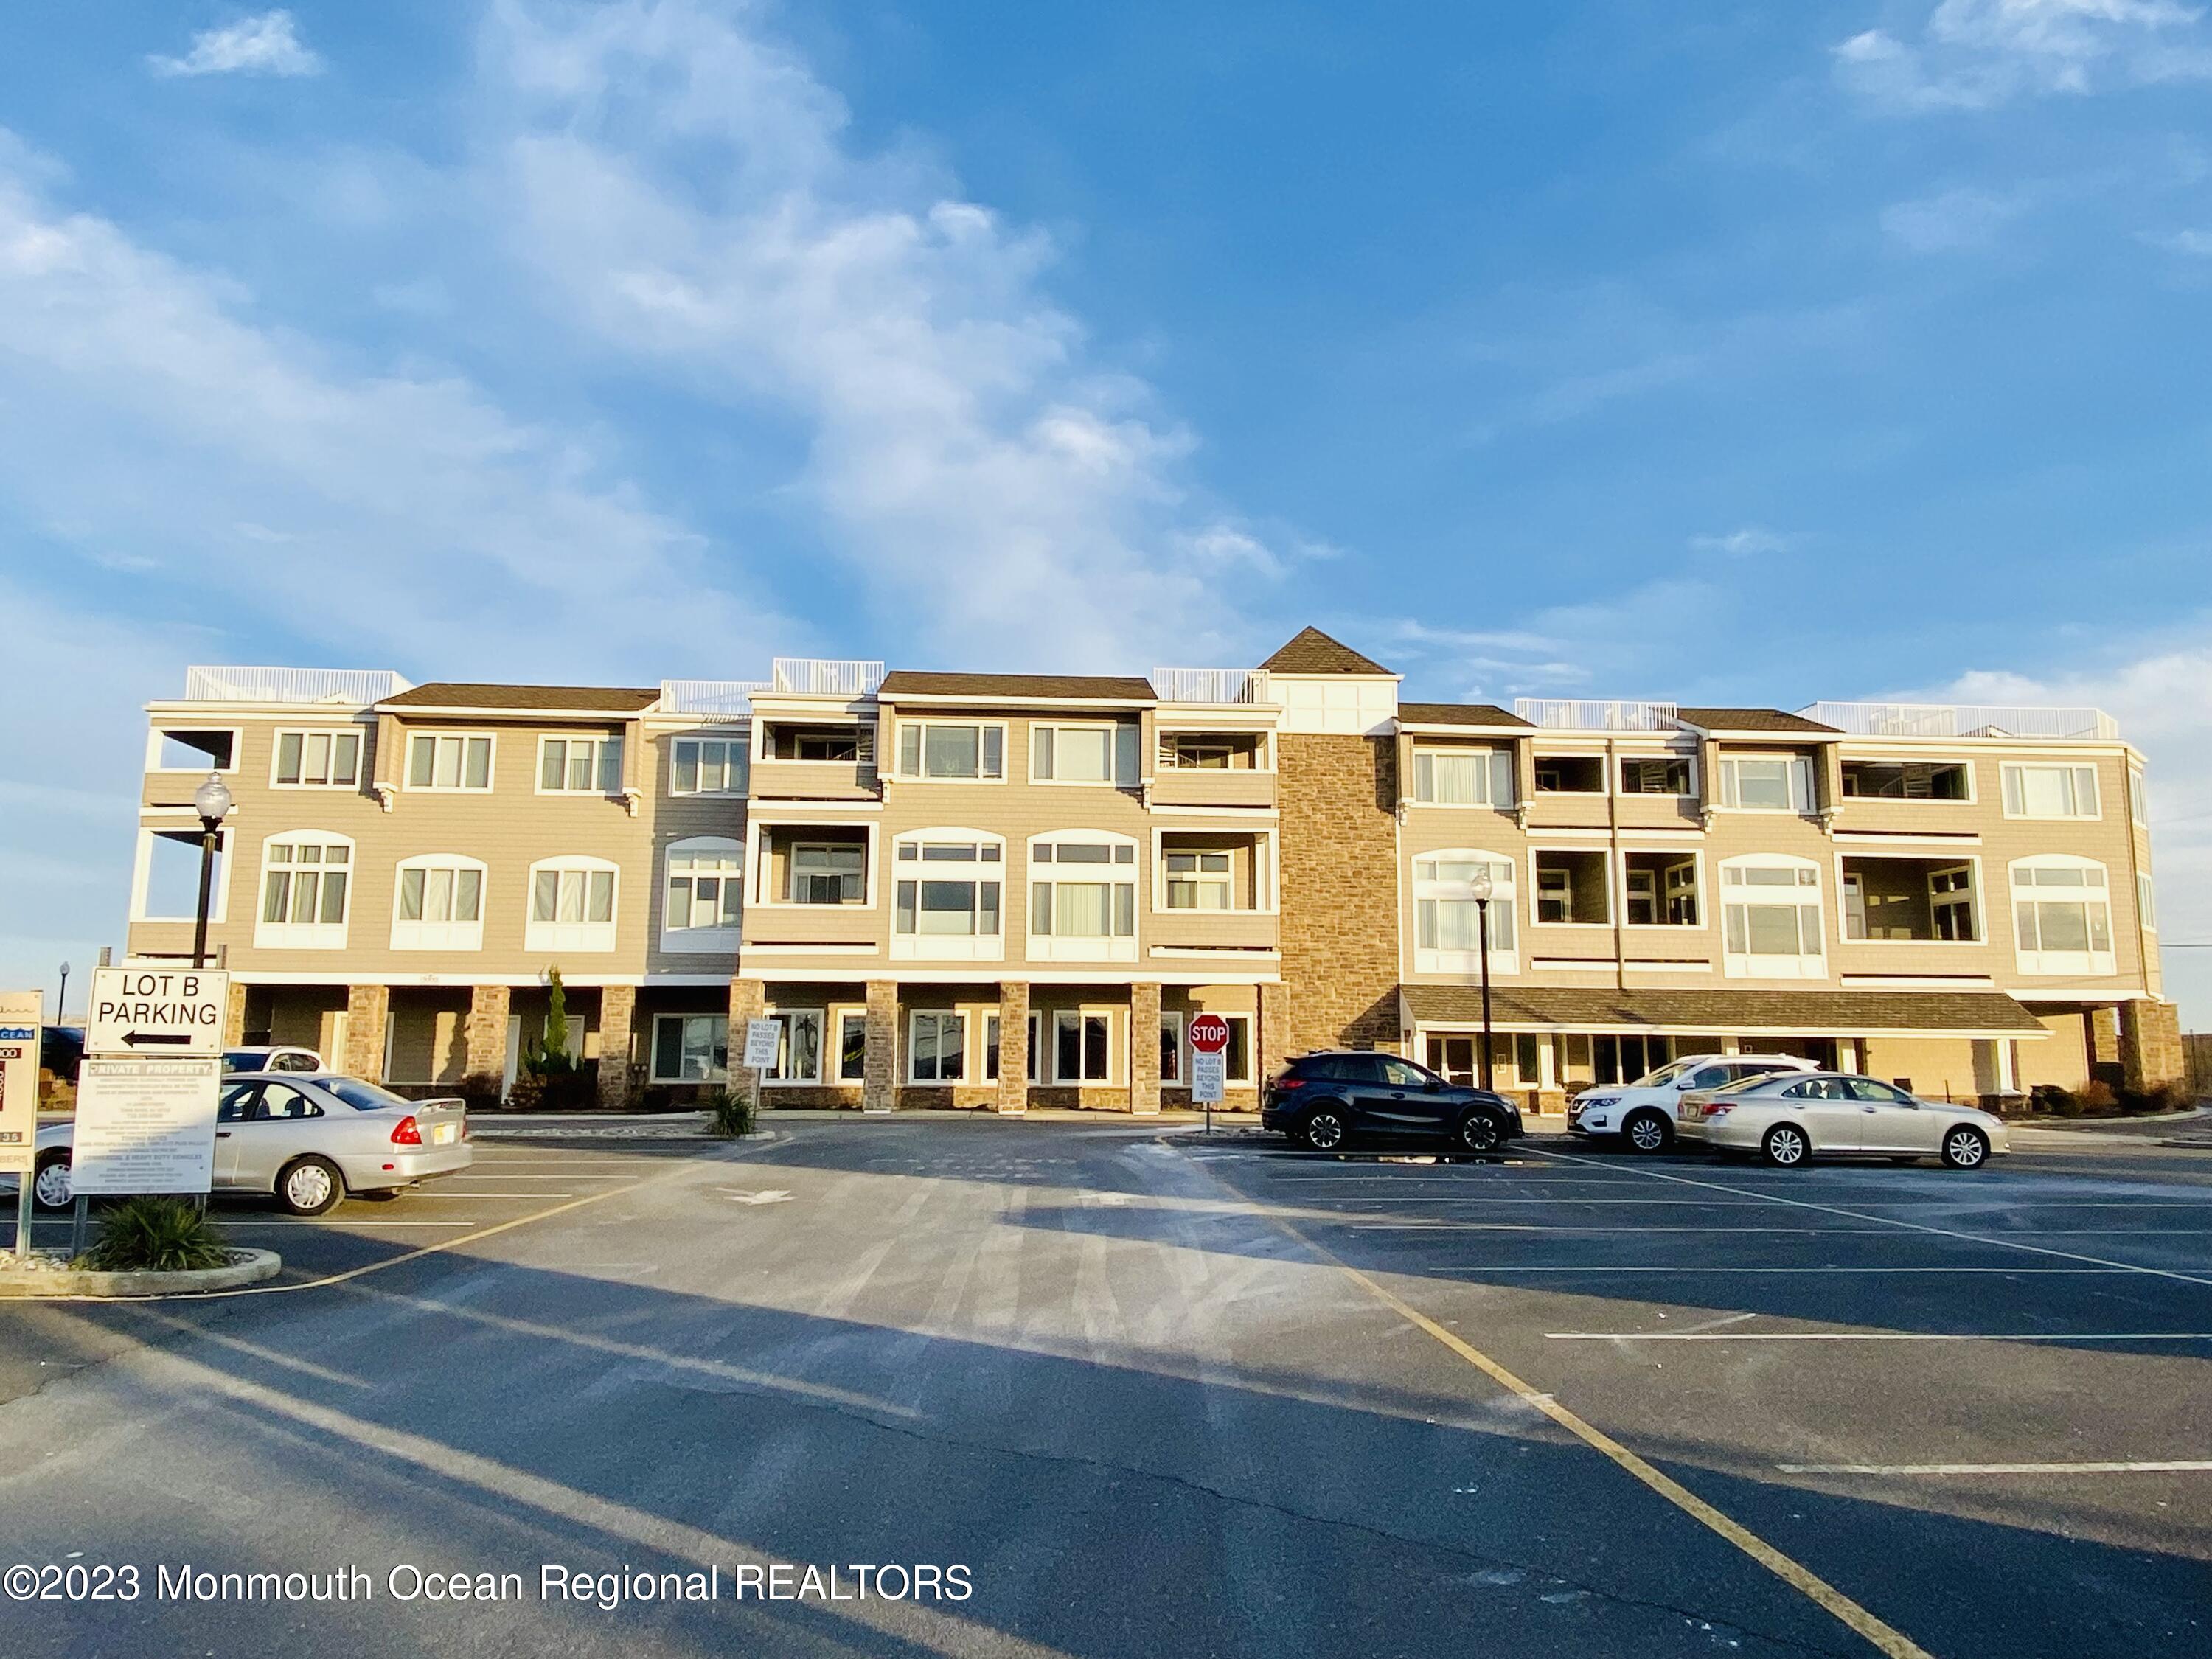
762, 1038
168, 1012
1209, 1072
20, 1014
145, 1126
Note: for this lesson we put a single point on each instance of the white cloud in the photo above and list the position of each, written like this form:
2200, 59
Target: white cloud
1746, 543
1950, 221
1978, 54
267, 45
2197, 244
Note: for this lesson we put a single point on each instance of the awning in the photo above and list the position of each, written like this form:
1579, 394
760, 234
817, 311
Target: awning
1702, 1013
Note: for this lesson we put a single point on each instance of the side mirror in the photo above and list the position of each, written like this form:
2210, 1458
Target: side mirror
1435, 1085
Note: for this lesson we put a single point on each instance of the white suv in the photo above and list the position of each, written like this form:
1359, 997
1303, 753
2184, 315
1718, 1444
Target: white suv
1644, 1112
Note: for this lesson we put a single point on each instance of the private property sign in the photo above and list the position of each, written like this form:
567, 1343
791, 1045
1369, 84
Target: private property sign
169, 1011
145, 1126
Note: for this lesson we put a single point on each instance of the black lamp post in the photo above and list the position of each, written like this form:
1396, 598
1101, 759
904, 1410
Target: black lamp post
1482, 890
61, 1003
211, 800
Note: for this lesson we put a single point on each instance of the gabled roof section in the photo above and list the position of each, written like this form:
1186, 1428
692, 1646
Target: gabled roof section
569, 699
1487, 715
1312, 652
1751, 720
1039, 688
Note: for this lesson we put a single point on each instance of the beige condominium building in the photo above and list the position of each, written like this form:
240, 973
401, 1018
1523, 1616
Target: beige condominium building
994, 890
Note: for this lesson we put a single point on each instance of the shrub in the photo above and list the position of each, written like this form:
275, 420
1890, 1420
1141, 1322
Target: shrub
2057, 1102
2098, 1099
729, 1116
528, 1093
479, 1090
2171, 1095
157, 1235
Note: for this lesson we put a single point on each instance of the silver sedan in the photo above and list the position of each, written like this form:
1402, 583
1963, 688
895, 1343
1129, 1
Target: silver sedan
308, 1140
1793, 1117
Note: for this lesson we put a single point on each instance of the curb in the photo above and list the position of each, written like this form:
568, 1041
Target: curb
20, 1284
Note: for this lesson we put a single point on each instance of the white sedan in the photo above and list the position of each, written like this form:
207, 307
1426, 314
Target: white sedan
1794, 1116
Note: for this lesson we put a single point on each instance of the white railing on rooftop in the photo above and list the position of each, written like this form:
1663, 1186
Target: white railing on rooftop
359, 686
1210, 685
1579, 715
728, 699
825, 677
1946, 719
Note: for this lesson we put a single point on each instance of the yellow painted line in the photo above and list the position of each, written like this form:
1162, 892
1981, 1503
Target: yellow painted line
1885, 1638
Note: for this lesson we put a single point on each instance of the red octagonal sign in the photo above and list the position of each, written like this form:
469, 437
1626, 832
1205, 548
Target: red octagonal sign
1209, 1034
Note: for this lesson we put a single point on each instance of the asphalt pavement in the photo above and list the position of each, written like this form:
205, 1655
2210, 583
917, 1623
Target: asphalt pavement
1150, 1395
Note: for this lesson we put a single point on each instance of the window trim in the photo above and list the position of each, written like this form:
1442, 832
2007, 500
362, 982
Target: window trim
2006, 770
1267, 873
155, 730
717, 940
1696, 856
1964, 762
922, 723
361, 734
598, 740
1113, 729
821, 1013
1060, 1017
1264, 747
305, 935
1743, 964
653, 1074
1799, 764
1608, 880
1102, 947
758, 864
1933, 863
454, 861
142, 871
2091, 963
2146, 902
2138, 797
972, 946
1687, 757
1491, 754
1430, 959
585, 863
407, 763
740, 762
914, 1016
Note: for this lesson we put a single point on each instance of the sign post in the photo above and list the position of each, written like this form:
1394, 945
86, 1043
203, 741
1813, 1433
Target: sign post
762, 1038
1209, 1061
21, 1014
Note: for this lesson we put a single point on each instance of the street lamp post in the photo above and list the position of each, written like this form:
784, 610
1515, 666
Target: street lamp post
1482, 886
211, 800
61, 1002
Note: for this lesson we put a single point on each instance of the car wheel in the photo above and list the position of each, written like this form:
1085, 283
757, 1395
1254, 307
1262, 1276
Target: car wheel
1966, 1148
50, 1186
1785, 1146
1323, 1130
1477, 1131
1649, 1131
310, 1186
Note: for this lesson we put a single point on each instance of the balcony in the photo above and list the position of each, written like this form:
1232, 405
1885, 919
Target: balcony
1931, 720
1218, 686
824, 676
353, 688
1578, 714
726, 699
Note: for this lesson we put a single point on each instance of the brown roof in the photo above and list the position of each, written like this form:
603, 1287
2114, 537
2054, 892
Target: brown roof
1312, 652
1749, 720
1459, 714
1063, 688
1802, 1012
461, 694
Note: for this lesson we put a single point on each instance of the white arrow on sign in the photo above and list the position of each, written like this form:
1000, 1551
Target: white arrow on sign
771, 1196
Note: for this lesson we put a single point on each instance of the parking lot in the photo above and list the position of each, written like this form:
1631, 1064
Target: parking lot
1161, 1394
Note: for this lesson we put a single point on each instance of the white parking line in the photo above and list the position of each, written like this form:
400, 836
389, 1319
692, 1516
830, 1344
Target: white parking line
1677, 1269
1879, 1336
2177, 1468
420, 1193
340, 1226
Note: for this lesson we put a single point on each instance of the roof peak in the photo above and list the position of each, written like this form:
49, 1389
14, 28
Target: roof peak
1309, 651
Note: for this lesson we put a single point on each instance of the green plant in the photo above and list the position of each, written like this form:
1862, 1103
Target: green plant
157, 1235
729, 1116
2097, 1098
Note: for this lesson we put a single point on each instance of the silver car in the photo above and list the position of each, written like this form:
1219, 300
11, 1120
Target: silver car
1793, 1117
309, 1140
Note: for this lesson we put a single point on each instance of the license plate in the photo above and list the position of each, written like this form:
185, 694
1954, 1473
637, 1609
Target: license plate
442, 1134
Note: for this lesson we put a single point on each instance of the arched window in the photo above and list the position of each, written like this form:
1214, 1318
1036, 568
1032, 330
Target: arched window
572, 905
306, 888
437, 903
703, 898
1083, 897
948, 889
1770, 920
1447, 921
2062, 912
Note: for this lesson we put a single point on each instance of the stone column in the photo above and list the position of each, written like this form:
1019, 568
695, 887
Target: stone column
748, 1001
618, 1014
485, 1033
2105, 1059
233, 1015
1013, 1047
367, 1008
2150, 1044
1144, 1049
879, 1070
1274, 1034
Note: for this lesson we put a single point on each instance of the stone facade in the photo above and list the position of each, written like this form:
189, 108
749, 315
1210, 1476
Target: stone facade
1013, 1097
2105, 1062
879, 1077
233, 1015
1144, 1049
1338, 797
369, 1009
618, 1016
2150, 1044
748, 1001
485, 1033
1274, 1033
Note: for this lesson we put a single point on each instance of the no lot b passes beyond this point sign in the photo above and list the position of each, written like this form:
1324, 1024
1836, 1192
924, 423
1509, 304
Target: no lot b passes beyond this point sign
165, 1012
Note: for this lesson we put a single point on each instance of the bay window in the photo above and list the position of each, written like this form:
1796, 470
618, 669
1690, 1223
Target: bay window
2061, 915
1089, 753
580, 766
318, 760
448, 762
438, 903
1464, 777
952, 749
1767, 783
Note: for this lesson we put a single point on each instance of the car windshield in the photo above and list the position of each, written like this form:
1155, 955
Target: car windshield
1664, 1076
239, 1060
361, 1096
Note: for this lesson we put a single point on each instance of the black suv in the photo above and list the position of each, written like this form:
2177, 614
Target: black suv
1323, 1100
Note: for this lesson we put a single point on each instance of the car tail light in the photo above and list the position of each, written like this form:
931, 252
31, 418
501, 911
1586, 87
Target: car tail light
1286, 1081
406, 1131
1717, 1109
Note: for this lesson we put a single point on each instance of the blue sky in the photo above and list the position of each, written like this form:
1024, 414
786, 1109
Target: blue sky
1725, 352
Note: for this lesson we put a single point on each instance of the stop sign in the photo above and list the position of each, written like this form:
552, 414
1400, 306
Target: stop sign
1209, 1034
